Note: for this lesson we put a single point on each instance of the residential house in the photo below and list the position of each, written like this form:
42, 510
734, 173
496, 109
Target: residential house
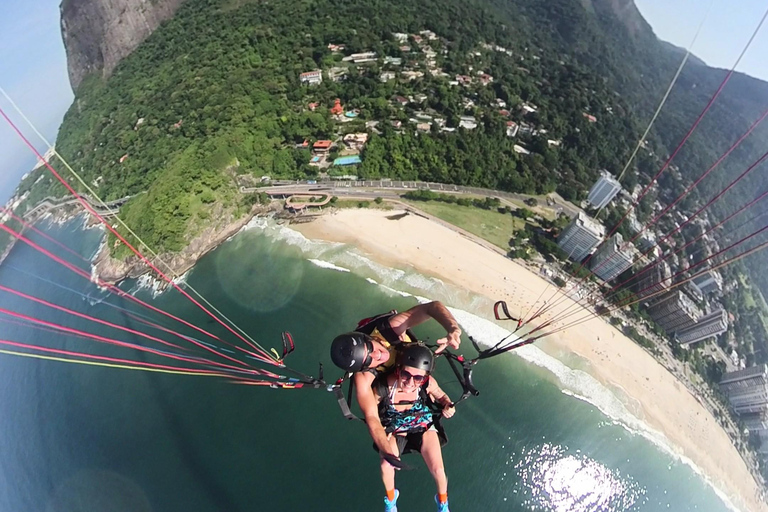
386, 76
337, 109
423, 127
526, 128
412, 75
313, 106
529, 108
464, 79
336, 48
512, 129
589, 117
400, 100
359, 58
485, 78
428, 34
405, 48
401, 37
322, 146
337, 74
395, 61
468, 122
355, 141
521, 150
311, 77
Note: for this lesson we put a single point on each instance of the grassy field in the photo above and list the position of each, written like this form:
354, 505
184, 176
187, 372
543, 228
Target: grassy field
490, 225
542, 208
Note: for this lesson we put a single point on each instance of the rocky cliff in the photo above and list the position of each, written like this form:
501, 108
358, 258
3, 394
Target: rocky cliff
99, 33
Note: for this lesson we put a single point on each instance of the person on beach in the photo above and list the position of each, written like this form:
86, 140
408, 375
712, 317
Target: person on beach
410, 404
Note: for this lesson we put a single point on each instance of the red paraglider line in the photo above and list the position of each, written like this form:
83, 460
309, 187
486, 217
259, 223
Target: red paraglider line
41, 233
127, 244
697, 264
111, 341
128, 362
121, 293
666, 164
87, 317
690, 219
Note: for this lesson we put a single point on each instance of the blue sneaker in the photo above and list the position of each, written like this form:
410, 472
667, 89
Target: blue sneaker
391, 506
441, 507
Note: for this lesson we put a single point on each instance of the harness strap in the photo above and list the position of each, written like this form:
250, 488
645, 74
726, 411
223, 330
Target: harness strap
344, 401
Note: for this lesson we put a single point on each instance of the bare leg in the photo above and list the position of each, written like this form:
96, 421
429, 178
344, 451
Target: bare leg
433, 456
387, 471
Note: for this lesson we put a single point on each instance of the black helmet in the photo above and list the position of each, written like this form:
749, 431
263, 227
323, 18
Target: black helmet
351, 351
416, 355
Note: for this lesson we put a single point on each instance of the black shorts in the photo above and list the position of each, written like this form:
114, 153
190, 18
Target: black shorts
407, 443
411, 442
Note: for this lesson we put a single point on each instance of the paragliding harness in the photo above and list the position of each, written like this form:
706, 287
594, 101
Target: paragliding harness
410, 424
461, 367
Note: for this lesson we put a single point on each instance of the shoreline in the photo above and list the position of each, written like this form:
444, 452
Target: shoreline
657, 398
175, 265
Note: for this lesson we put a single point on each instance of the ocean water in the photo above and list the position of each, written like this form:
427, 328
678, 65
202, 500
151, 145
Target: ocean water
542, 435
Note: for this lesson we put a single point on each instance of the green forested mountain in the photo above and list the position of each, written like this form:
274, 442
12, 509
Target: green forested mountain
215, 92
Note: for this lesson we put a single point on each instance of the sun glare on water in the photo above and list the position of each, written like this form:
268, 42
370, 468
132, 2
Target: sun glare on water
566, 482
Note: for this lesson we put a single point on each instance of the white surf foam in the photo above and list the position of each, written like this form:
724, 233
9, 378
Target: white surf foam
328, 265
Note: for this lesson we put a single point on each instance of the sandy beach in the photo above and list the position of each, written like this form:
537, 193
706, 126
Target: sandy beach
660, 400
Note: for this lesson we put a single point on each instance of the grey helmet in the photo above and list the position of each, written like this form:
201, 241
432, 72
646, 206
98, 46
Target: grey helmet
415, 355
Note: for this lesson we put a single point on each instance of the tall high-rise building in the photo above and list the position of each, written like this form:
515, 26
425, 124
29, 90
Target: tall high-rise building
580, 237
653, 280
673, 311
611, 258
604, 190
712, 324
747, 390
755, 420
709, 282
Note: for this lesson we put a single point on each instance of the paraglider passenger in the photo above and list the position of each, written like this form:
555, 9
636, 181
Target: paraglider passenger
410, 405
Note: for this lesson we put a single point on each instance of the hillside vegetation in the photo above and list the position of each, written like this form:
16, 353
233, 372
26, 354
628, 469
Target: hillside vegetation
215, 92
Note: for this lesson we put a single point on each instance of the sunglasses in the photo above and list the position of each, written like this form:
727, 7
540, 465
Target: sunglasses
417, 379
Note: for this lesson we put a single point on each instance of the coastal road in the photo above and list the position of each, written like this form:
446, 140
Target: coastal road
394, 188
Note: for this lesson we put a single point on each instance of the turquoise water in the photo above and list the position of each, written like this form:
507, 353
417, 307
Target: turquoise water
84, 438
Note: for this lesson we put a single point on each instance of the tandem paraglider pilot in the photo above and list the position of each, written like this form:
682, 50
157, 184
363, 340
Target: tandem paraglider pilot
401, 402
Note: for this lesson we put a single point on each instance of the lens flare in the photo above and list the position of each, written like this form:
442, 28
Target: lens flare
572, 482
